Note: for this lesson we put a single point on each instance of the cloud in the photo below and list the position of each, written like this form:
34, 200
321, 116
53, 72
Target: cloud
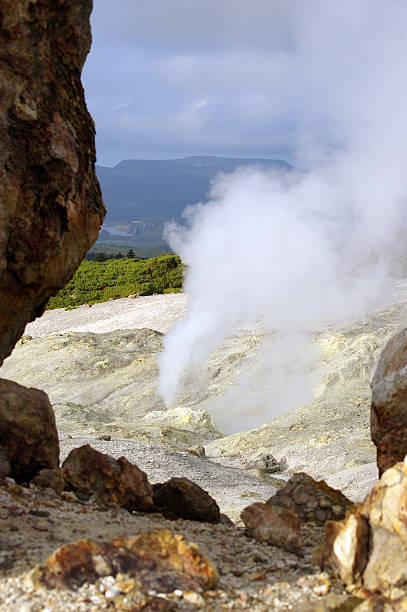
274, 74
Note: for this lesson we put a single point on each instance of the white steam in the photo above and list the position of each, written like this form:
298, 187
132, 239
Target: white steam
301, 249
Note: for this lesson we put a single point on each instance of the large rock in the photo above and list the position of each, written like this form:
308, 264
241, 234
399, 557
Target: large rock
312, 500
28, 435
277, 526
160, 560
182, 498
50, 200
368, 549
388, 416
90, 473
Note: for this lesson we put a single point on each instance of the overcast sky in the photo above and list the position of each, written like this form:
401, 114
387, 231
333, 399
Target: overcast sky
266, 78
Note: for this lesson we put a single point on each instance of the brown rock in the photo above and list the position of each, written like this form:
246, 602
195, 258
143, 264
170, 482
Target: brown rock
28, 435
50, 200
160, 560
198, 451
312, 500
388, 414
52, 479
277, 526
89, 473
182, 498
225, 520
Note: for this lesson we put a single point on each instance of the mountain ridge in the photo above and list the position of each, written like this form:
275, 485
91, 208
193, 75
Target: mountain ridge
141, 195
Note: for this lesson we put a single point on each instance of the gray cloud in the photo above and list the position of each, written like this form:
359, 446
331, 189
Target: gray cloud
230, 76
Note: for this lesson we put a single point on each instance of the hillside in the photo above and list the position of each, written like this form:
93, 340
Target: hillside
100, 281
140, 195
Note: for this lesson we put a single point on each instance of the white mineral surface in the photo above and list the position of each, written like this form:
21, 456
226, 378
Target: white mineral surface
99, 366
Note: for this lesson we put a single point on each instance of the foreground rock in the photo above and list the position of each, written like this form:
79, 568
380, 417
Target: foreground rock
312, 500
89, 473
279, 527
233, 489
388, 417
161, 560
50, 201
182, 498
254, 576
368, 550
28, 435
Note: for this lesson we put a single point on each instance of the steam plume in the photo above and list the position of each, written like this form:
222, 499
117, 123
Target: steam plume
301, 249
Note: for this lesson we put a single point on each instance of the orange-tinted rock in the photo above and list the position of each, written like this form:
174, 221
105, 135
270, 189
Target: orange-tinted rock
276, 526
28, 435
312, 500
388, 415
50, 201
89, 473
182, 498
160, 560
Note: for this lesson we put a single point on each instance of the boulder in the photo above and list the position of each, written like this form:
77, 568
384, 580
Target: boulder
182, 498
312, 500
50, 479
50, 201
160, 561
89, 473
388, 415
276, 526
28, 435
368, 549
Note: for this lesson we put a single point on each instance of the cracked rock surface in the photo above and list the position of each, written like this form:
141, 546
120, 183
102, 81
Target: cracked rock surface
50, 201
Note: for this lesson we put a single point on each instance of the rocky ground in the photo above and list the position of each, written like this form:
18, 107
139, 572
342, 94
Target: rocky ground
102, 380
253, 576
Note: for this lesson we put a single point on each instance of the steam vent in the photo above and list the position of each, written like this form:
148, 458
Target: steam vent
50, 202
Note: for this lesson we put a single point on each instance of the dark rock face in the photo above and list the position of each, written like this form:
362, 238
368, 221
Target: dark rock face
277, 526
388, 415
50, 201
28, 434
182, 498
312, 500
89, 473
161, 560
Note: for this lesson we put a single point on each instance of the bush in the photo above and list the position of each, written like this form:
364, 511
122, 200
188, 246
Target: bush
99, 281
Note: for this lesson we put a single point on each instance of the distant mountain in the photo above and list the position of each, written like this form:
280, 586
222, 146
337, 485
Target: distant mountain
140, 195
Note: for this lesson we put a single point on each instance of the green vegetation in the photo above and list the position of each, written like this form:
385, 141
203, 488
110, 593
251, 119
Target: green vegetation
99, 281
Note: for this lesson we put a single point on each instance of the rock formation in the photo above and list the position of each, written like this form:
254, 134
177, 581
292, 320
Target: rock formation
388, 417
311, 500
368, 549
28, 435
182, 498
276, 526
50, 201
162, 561
90, 473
